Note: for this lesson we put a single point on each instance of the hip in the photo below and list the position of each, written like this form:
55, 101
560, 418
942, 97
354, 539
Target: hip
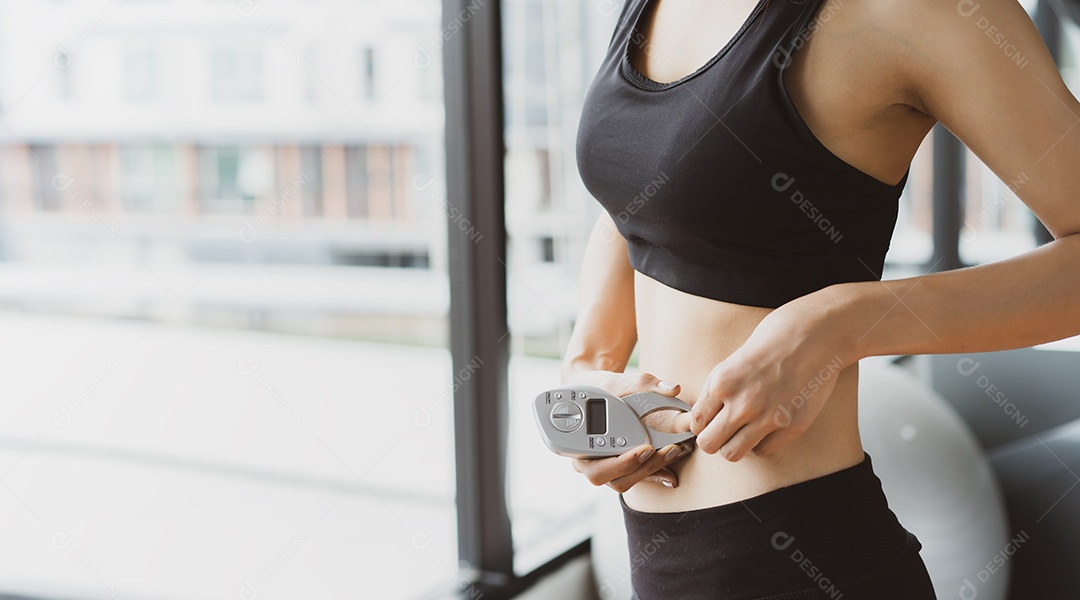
830, 537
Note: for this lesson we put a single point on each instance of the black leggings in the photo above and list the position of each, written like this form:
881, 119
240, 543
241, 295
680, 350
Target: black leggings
832, 537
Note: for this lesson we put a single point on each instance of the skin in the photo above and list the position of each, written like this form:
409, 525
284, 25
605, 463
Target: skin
774, 392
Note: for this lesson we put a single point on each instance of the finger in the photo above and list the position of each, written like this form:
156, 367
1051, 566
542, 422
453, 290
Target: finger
666, 456
682, 421
668, 420
602, 470
704, 412
626, 384
773, 442
656, 466
721, 429
664, 477
745, 439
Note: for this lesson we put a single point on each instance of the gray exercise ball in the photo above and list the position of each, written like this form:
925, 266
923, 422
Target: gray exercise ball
937, 480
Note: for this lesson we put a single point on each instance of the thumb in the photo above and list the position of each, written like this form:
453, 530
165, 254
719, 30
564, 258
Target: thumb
682, 421
622, 384
666, 388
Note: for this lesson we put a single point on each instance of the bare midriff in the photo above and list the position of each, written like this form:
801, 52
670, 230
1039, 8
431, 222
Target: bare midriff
681, 337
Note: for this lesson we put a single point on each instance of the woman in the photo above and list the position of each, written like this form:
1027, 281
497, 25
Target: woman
749, 155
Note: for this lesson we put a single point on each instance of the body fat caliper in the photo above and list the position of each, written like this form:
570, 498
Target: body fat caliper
584, 421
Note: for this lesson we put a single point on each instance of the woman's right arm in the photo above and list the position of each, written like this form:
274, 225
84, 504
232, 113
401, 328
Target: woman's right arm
604, 336
605, 332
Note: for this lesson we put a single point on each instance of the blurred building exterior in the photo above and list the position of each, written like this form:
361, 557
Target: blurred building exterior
204, 111
281, 132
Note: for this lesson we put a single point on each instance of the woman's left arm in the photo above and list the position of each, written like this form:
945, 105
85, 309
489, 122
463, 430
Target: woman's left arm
985, 74
983, 71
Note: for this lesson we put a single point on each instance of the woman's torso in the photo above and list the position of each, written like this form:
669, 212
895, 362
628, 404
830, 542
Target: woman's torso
842, 84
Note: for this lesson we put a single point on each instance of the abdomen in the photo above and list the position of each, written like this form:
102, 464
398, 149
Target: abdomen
681, 337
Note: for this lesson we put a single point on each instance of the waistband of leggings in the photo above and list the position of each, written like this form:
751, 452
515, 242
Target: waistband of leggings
856, 483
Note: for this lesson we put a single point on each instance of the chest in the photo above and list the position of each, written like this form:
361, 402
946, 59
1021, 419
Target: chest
837, 76
675, 37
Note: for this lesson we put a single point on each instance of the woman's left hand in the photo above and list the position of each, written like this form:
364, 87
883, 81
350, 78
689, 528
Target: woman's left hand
771, 389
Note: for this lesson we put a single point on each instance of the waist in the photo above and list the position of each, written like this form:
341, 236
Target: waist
681, 338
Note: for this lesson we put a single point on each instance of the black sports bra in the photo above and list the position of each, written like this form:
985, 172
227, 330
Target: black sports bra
716, 182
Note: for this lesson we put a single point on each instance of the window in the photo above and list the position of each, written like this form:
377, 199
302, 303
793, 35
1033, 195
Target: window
140, 76
236, 75
49, 180
311, 166
367, 69
232, 177
311, 75
547, 249
149, 179
543, 156
430, 81
356, 181
65, 88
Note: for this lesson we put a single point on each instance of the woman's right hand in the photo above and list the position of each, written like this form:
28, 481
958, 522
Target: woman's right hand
622, 472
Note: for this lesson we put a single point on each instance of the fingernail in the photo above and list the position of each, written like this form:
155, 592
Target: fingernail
662, 480
666, 385
647, 454
674, 453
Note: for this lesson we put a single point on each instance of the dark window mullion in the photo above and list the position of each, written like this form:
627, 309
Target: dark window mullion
948, 196
1049, 24
472, 67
